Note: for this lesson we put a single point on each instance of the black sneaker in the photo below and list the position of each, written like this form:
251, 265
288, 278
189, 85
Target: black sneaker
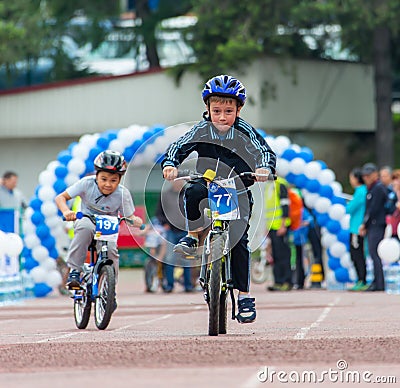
74, 280
187, 246
247, 310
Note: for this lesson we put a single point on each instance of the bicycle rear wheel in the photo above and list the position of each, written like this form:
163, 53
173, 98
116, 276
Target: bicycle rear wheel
151, 276
223, 312
82, 308
104, 304
214, 286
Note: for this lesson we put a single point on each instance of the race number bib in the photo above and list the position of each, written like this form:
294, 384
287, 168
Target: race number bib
107, 228
223, 199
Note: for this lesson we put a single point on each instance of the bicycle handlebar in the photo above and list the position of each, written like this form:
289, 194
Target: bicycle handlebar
80, 215
189, 175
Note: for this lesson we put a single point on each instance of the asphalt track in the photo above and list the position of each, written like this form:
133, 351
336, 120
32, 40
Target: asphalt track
300, 339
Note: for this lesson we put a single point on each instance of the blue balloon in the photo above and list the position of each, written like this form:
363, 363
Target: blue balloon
326, 191
333, 263
61, 172
89, 166
30, 263
35, 203
291, 177
313, 186
41, 289
343, 236
159, 158
335, 199
261, 132
94, 152
42, 231
53, 252
103, 142
72, 145
59, 186
128, 153
289, 154
306, 154
37, 218
323, 164
342, 275
49, 242
147, 137
322, 219
300, 181
64, 157
333, 226
136, 145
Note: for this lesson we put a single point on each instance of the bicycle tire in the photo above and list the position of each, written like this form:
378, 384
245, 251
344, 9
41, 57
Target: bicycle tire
223, 313
82, 309
104, 304
258, 270
214, 286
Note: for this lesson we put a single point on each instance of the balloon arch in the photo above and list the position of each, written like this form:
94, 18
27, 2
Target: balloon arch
141, 145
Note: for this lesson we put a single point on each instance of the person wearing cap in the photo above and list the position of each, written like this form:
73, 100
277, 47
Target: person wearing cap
374, 222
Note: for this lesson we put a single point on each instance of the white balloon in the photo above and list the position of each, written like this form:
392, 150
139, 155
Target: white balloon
312, 170
14, 244
53, 221
345, 222
326, 177
80, 151
398, 230
328, 239
46, 193
53, 165
49, 264
322, 205
126, 136
53, 279
281, 143
353, 274
76, 166
49, 208
296, 148
345, 260
116, 145
32, 241
297, 165
337, 188
71, 178
3, 243
89, 140
40, 253
389, 250
338, 249
38, 274
282, 167
337, 211
310, 199
47, 178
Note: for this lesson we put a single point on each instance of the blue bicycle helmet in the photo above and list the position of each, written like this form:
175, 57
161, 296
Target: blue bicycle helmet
110, 161
226, 86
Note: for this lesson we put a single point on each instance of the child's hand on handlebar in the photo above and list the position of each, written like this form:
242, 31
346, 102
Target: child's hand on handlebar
135, 221
170, 173
69, 215
265, 173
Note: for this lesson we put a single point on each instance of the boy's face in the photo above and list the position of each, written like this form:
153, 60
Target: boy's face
223, 114
107, 182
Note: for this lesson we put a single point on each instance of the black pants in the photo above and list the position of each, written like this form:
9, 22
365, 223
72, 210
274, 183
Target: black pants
196, 199
357, 256
299, 273
314, 236
375, 235
281, 253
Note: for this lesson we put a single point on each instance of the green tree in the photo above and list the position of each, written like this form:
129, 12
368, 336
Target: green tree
235, 33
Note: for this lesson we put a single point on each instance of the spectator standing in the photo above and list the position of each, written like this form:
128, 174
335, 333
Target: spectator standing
10, 196
170, 213
374, 222
356, 209
385, 176
277, 224
394, 219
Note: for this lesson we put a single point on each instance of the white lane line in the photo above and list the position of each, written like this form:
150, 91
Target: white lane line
144, 322
57, 338
301, 334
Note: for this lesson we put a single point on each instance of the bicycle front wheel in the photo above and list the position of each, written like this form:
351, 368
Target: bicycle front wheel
82, 307
104, 305
214, 286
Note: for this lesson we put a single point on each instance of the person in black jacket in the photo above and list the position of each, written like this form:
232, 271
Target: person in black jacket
226, 143
374, 222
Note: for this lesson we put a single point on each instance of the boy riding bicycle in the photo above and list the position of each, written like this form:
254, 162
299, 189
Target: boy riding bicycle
228, 144
101, 194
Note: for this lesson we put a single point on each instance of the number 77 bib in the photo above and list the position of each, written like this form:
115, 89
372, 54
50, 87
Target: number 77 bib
107, 228
223, 199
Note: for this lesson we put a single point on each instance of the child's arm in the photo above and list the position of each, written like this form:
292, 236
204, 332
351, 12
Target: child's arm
136, 221
61, 202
